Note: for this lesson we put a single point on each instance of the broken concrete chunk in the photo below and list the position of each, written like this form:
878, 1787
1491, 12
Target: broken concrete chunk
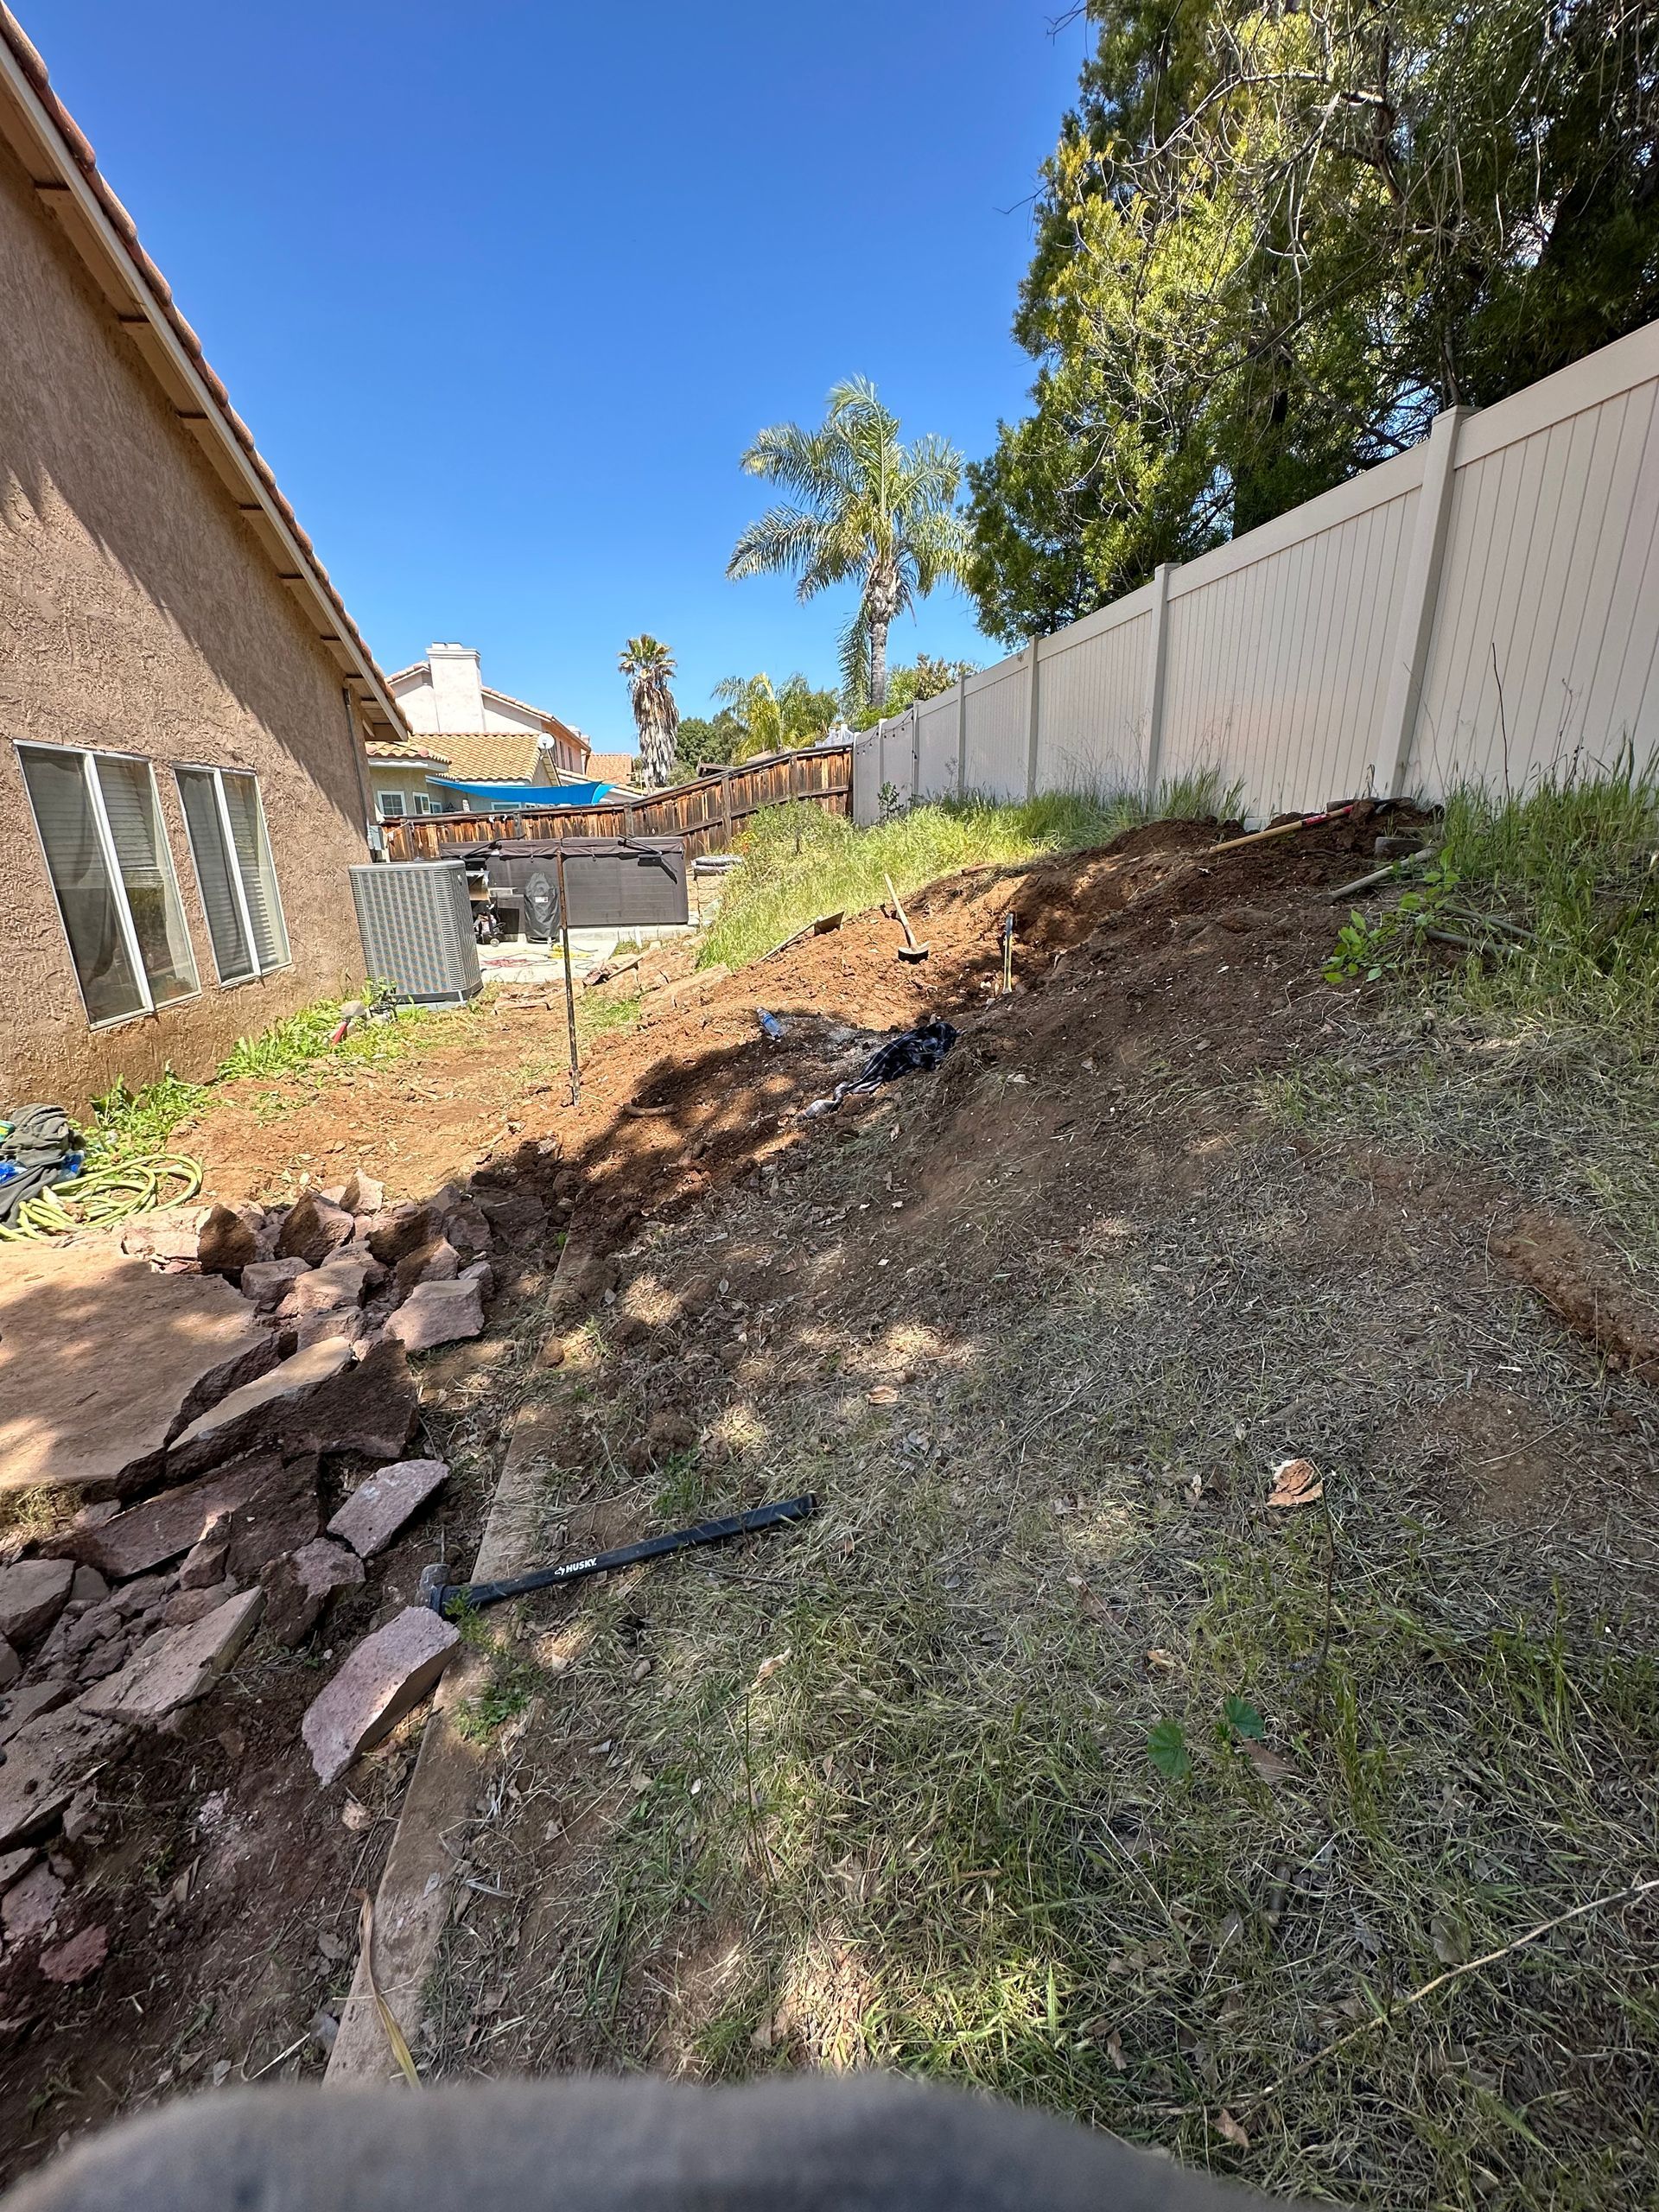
289, 1379
378, 1509
178, 1666
389, 1673
46, 1762
33, 1593
363, 1194
438, 1313
298, 1587
267, 1282
227, 1241
315, 1227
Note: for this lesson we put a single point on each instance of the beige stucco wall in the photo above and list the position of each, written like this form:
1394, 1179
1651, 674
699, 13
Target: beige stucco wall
138, 614
384, 777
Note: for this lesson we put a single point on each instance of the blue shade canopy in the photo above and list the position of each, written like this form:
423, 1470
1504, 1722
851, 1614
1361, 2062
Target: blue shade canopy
492, 798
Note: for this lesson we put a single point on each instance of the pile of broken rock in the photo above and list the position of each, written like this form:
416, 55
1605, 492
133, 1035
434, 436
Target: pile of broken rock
144, 1601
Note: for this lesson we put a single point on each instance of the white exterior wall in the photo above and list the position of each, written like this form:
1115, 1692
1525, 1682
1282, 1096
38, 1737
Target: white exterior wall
1359, 642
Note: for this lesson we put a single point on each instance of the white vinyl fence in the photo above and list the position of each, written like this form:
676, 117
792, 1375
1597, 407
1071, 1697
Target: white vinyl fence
1480, 608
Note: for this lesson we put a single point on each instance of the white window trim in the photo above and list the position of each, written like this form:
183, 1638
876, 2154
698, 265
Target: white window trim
221, 807
86, 756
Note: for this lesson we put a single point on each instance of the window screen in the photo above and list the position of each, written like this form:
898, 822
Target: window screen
233, 866
113, 877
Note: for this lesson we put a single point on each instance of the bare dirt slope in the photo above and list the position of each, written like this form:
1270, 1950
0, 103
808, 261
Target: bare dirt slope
1037, 1328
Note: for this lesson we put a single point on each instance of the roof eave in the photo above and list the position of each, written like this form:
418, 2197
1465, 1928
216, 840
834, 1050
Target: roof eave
64, 170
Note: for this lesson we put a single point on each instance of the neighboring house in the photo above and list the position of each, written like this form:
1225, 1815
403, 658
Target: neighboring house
619, 770
183, 696
399, 772
477, 734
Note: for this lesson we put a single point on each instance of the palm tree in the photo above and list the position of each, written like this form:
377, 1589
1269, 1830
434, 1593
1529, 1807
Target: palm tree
773, 721
648, 664
873, 510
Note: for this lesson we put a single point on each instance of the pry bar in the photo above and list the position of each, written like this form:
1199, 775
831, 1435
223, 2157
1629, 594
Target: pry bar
440, 1595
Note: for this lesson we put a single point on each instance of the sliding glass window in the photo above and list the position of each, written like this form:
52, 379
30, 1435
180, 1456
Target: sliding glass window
226, 822
100, 828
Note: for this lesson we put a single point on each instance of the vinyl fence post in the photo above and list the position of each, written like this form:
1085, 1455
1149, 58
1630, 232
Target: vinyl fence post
1418, 603
962, 737
1156, 655
1031, 722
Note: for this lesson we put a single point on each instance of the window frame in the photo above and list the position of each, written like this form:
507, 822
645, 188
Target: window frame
88, 756
257, 973
387, 811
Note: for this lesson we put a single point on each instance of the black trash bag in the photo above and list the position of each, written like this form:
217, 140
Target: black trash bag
923, 1047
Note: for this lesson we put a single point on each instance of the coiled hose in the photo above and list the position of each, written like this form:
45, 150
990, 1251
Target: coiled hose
99, 1196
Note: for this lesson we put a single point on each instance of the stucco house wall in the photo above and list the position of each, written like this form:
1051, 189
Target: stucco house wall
139, 615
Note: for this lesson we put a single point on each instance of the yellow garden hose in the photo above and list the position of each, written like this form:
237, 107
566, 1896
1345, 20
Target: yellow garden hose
99, 1196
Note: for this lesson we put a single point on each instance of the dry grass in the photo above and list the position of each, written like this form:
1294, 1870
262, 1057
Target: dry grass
934, 1837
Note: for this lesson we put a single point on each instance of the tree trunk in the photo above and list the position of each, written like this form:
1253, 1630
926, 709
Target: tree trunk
878, 662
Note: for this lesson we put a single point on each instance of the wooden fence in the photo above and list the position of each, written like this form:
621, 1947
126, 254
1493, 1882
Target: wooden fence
707, 813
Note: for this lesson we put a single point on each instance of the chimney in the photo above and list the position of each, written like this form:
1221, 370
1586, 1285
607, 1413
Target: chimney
457, 687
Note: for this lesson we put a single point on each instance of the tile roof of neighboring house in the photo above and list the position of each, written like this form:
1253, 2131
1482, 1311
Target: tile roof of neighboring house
66, 178
493, 756
395, 754
613, 768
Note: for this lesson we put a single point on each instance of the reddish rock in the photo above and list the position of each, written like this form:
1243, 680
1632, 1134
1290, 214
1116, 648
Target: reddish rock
366, 1407
436, 1261
177, 1667
168, 1234
400, 1232
204, 1563
88, 1586
34, 1699
378, 1507
13, 1862
33, 1593
363, 1194
103, 1658
267, 1282
253, 1408
315, 1227
467, 1227
189, 1607
515, 1216
29, 1907
10, 1665
282, 1513
389, 1673
171, 1522
344, 1281
438, 1313
46, 1762
345, 1322
482, 1276
228, 1241
81, 1955
298, 1586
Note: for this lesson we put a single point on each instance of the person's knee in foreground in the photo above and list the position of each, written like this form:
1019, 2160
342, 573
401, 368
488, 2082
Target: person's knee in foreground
597, 2143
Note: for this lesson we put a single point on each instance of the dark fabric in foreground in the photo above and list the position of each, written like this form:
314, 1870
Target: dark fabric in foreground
590, 2144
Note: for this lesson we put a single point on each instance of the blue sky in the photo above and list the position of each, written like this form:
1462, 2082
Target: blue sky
504, 288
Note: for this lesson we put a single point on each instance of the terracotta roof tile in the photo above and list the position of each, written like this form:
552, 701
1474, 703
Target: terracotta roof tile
492, 756
613, 767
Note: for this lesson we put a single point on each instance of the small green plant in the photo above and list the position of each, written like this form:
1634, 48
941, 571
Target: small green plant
1367, 949
1240, 1718
890, 800
1167, 1749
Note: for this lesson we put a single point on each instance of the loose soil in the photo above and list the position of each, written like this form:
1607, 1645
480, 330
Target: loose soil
1037, 1327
